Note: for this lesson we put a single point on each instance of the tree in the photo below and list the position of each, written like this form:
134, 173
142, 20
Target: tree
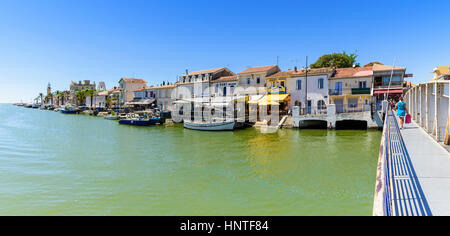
81, 97
41, 97
91, 93
338, 60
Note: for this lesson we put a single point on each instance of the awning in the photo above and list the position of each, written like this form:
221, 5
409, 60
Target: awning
272, 99
396, 91
141, 102
253, 99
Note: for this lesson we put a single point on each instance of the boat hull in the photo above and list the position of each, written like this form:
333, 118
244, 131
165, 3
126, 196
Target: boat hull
111, 118
68, 112
217, 126
139, 122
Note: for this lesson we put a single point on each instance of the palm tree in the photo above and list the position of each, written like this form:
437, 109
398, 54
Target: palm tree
41, 97
81, 97
91, 93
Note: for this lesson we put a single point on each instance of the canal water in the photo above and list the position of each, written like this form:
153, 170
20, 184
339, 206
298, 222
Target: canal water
56, 164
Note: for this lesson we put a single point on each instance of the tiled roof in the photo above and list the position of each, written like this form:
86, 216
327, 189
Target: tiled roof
165, 86
206, 71
293, 73
378, 67
353, 72
144, 88
133, 80
258, 69
226, 79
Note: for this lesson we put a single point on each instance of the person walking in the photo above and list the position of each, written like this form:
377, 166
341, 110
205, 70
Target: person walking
402, 111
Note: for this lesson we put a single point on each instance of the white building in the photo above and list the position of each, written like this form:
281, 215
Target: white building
252, 81
127, 88
197, 84
307, 89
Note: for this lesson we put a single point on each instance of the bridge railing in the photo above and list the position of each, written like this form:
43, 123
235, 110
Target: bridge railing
429, 106
383, 199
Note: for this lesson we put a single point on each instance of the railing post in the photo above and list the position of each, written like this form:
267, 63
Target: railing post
415, 103
427, 117
420, 106
436, 111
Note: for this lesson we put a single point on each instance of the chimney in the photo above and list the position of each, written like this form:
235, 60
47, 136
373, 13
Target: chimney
295, 69
187, 72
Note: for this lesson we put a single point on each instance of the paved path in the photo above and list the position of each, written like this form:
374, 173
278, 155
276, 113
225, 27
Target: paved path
431, 163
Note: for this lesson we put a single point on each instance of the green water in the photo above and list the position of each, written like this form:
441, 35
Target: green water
56, 164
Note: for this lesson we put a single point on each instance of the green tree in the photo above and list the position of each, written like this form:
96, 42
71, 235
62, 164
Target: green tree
90, 93
338, 60
41, 97
81, 97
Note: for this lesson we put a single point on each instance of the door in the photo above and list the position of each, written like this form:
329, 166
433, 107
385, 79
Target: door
339, 105
309, 108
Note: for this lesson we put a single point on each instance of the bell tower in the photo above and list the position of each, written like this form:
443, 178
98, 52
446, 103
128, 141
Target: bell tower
49, 89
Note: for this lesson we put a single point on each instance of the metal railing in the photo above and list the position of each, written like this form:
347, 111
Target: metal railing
352, 108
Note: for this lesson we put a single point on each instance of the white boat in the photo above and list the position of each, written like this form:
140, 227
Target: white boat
210, 126
111, 117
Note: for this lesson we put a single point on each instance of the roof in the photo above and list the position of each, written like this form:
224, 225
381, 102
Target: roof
353, 72
226, 79
206, 71
144, 88
293, 73
133, 80
258, 69
378, 67
441, 70
165, 86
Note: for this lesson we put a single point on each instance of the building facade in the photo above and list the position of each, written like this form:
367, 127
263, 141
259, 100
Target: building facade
127, 87
351, 89
75, 87
383, 87
198, 84
252, 81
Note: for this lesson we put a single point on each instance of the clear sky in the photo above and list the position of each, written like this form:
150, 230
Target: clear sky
58, 41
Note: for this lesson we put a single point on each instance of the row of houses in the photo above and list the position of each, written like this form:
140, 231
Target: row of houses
350, 89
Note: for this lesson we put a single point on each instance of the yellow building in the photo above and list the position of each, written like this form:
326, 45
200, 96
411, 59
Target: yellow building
350, 89
440, 71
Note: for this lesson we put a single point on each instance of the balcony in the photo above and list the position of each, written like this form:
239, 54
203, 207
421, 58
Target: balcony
357, 91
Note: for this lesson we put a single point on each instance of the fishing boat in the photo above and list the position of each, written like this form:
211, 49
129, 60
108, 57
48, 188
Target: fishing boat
140, 120
69, 110
111, 117
210, 126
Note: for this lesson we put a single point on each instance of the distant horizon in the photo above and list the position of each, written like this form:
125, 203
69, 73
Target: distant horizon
63, 41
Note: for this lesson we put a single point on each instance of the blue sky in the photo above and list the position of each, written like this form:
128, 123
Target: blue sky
58, 41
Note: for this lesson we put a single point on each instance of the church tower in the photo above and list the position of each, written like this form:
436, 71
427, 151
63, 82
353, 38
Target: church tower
49, 89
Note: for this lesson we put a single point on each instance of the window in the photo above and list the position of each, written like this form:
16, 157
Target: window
321, 105
362, 84
248, 81
299, 84
320, 83
258, 80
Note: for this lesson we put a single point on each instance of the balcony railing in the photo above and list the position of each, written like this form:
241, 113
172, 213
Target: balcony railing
335, 92
361, 91
351, 108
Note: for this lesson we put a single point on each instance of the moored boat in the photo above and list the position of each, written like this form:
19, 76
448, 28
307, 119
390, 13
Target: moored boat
69, 110
210, 126
140, 120
111, 117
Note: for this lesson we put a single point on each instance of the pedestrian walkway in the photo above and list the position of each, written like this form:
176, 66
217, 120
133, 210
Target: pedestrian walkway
431, 163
